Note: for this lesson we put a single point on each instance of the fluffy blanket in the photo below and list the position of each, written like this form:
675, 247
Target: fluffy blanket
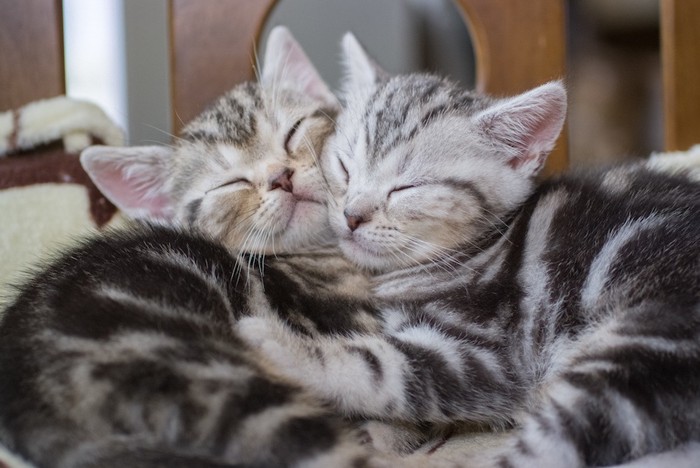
46, 199
40, 213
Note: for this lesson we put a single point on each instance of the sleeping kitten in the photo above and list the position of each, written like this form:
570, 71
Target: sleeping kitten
245, 171
569, 308
123, 351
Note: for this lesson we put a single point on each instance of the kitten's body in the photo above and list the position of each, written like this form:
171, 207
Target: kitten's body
590, 329
124, 350
571, 309
135, 349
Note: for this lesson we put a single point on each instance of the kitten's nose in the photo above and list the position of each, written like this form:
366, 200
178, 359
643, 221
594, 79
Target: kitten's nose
282, 180
354, 221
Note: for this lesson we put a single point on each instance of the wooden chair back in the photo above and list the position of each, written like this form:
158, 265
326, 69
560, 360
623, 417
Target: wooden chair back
518, 45
680, 63
209, 54
31, 51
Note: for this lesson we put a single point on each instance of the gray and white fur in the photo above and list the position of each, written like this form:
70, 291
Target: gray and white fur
569, 309
124, 350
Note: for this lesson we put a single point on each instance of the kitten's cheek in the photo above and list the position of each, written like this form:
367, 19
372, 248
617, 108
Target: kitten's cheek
356, 243
309, 216
339, 225
306, 210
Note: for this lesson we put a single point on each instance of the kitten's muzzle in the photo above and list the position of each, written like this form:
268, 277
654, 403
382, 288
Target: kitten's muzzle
283, 181
355, 220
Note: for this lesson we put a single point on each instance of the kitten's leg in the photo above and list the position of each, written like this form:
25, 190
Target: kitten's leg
629, 389
360, 374
403, 439
200, 401
684, 456
416, 373
123, 452
137, 452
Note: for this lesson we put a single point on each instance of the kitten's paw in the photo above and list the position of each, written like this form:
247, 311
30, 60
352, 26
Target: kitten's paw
392, 438
418, 460
254, 331
274, 343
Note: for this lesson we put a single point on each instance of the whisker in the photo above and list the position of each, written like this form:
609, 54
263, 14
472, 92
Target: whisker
324, 177
166, 133
255, 62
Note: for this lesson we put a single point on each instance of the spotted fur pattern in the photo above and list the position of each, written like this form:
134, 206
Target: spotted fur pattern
569, 309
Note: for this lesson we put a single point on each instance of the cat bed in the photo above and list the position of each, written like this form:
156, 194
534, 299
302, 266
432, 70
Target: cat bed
47, 201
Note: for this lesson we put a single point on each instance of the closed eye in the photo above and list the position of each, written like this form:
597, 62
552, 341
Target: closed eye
401, 188
345, 170
290, 134
230, 182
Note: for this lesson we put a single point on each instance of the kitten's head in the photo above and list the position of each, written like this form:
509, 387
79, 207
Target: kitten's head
245, 170
420, 168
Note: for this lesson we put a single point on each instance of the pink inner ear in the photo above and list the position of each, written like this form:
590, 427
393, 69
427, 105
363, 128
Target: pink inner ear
536, 134
133, 184
134, 199
286, 62
303, 71
527, 125
536, 143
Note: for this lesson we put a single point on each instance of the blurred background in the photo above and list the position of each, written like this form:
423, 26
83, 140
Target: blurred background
116, 55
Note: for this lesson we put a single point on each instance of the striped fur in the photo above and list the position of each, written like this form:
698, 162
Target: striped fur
125, 350
570, 309
159, 347
244, 171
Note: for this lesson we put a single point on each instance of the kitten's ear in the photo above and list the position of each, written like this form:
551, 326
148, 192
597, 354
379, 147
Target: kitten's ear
527, 125
133, 178
287, 65
361, 70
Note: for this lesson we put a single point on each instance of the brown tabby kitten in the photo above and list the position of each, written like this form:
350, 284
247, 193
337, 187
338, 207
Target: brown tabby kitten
123, 351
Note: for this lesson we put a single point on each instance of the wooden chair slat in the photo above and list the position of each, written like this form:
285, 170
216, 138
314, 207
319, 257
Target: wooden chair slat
680, 57
212, 50
31, 45
519, 45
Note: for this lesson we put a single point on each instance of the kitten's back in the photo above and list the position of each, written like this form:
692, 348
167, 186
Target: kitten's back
124, 351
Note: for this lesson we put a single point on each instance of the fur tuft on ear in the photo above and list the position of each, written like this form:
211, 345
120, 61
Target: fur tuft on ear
361, 70
287, 65
526, 126
133, 178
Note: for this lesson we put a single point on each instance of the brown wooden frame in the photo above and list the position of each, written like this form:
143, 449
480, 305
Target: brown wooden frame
680, 57
31, 51
518, 44
212, 49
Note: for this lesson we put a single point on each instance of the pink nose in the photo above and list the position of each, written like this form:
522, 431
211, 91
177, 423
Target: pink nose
282, 181
354, 221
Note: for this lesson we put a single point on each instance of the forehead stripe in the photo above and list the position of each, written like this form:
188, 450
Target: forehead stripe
469, 187
430, 91
329, 113
193, 208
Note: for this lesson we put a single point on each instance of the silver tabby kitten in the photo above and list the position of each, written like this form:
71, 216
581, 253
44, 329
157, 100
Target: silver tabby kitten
569, 308
124, 350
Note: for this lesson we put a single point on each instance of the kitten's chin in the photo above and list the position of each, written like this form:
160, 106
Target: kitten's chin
307, 227
368, 259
